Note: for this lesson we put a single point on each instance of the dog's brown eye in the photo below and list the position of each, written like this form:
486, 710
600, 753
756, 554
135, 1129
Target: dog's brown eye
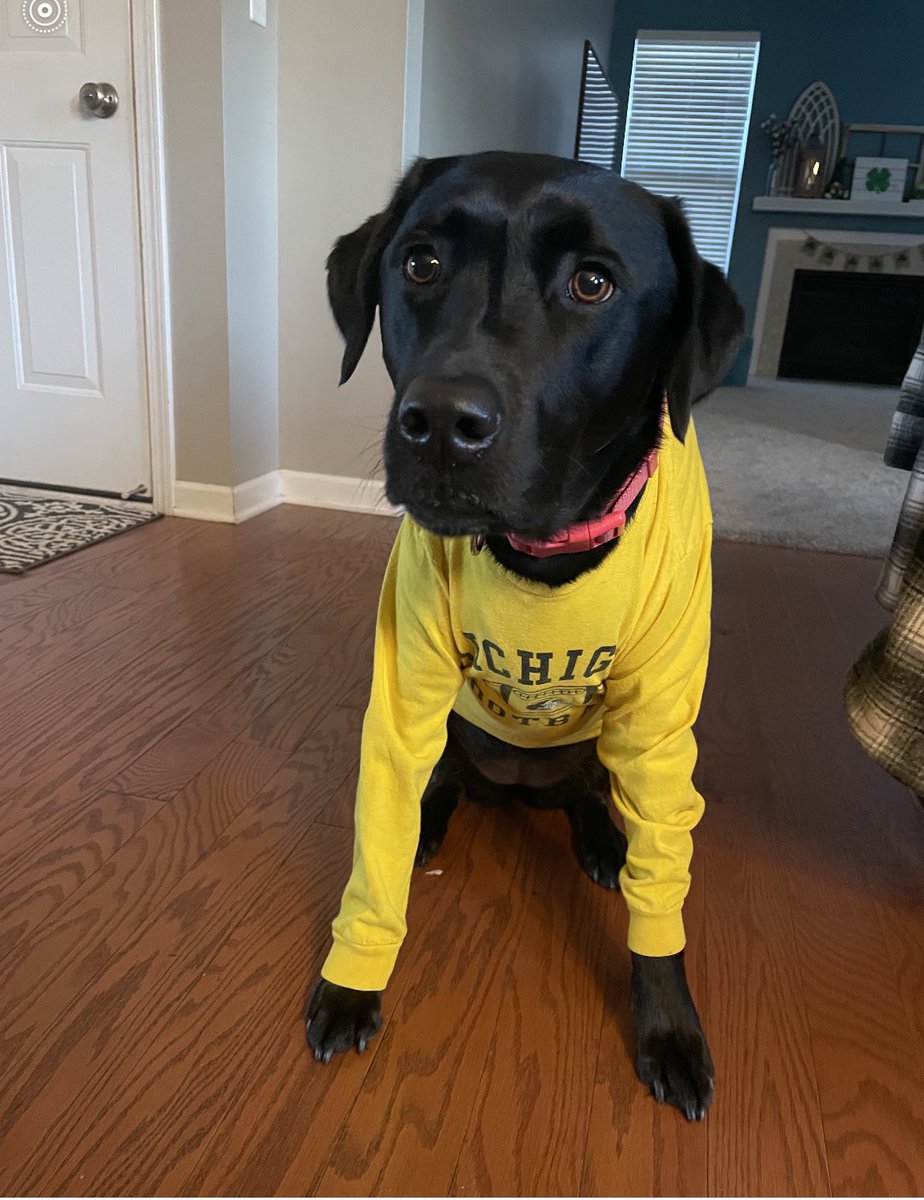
590, 284
422, 266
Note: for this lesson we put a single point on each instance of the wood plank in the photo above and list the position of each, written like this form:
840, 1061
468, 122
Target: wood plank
867, 1059
405, 1131
93, 564
756, 1010
165, 551
29, 596
346, 633
124, 717
226, 1032
262, 682
205, 618
339, 808
280, 1134
22, 595
86, 641
527, 1129
66, 952
635, 1147
48, 711
65, 1077
51, 620
170, 763
35, 884
892, 833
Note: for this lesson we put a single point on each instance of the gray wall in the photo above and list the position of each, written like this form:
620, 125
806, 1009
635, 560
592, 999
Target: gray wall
341, 116
506, 76
251, 236
219, 94
277, 140
191, 49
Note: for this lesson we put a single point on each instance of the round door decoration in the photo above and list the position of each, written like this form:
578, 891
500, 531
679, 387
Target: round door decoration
44, 16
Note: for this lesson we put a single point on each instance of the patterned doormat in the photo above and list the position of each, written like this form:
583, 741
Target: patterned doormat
36, 527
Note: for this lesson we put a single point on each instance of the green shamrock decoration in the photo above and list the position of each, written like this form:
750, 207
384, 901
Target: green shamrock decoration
877, 180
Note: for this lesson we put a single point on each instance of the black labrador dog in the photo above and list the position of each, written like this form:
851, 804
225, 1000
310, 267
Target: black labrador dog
538, 317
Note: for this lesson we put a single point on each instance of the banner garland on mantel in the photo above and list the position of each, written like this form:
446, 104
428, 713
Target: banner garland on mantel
899, 259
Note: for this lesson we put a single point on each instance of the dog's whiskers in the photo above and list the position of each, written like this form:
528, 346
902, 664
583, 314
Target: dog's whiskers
577, 463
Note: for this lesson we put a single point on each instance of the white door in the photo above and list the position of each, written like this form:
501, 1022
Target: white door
73, 409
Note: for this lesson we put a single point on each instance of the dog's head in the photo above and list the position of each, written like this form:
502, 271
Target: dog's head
534, 311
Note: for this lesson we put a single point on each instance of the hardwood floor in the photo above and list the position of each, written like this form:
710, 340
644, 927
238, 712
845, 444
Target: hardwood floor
179, 729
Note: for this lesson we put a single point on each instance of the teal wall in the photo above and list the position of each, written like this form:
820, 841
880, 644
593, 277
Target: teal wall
870, 55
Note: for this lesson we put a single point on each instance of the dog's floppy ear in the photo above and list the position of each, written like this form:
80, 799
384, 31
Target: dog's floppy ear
708, 323
353, 264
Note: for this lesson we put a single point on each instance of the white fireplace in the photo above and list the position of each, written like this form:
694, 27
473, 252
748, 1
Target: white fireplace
791, 250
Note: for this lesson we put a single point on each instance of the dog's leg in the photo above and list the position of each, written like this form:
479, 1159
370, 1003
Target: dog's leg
338, 1017
599, 846
671, 1054
437, 806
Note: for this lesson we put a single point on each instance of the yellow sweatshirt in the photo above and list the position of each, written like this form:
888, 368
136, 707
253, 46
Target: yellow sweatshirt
618, 655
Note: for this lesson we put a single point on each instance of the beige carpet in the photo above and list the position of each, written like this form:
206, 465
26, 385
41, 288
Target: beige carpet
800, 464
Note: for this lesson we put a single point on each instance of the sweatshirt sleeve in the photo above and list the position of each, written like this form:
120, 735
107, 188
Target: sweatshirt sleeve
416, 678
647, 744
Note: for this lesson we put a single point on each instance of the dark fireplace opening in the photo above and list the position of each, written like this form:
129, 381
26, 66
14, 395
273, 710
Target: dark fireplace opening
847, 327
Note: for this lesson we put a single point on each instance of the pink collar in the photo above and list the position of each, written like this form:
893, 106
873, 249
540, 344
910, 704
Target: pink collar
586, 535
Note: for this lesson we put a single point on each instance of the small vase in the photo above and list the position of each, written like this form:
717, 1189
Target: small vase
773, 176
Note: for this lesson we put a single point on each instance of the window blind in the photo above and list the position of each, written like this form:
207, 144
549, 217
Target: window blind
686, 126
598, 114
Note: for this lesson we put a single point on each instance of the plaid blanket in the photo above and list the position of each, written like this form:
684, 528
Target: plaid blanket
884, 692
905, 449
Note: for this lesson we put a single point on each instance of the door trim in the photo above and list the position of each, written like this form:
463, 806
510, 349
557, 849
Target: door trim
152, 211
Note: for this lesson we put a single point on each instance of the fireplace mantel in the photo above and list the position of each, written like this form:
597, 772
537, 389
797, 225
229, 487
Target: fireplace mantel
910, 209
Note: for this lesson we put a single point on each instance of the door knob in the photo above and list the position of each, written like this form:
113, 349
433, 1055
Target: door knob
99, 99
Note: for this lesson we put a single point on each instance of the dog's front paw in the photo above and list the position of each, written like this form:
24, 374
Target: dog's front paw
337, 1018
436, 808
678, 1068
599, 846
605, 859
671, 1055
427, 847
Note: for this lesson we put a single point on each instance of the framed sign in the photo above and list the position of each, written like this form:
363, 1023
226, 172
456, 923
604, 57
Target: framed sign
879, 179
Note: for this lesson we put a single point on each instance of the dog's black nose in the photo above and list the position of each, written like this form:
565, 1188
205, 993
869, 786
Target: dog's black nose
453, 419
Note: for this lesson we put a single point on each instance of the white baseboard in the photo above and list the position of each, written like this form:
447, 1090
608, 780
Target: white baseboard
336, 491
203, 502
210, 502
257, 495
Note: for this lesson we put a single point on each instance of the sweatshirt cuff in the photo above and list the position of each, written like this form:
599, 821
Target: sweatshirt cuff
656, 935
365, 968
